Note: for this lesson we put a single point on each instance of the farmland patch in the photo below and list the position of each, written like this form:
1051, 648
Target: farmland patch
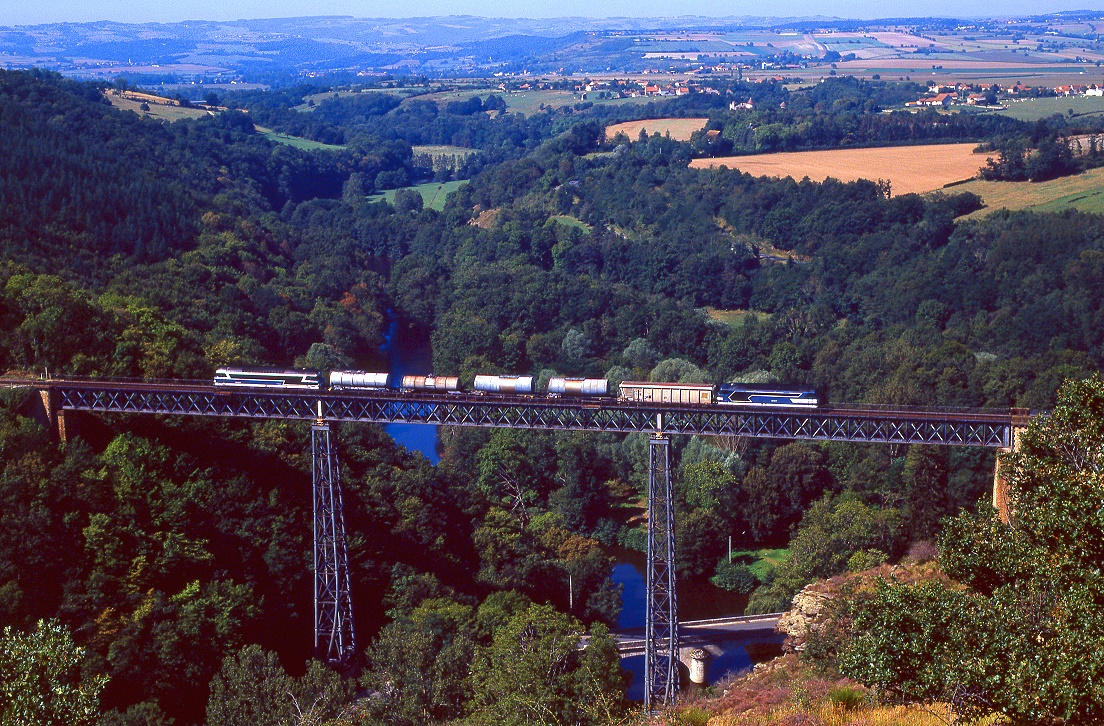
680, 129
908, 168
1084, 192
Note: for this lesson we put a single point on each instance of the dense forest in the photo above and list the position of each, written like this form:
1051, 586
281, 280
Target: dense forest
174, 555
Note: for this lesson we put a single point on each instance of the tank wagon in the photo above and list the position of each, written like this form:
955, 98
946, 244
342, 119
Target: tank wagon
439, 384
504, 384
560, 386
361, 380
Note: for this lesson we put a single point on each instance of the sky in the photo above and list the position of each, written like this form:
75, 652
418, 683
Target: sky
31, 12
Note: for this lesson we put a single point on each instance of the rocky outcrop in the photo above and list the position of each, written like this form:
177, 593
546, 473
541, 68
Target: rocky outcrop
803, 617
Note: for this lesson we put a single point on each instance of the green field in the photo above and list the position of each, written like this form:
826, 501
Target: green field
1037, 108
762, 563
570, 221
318, 98
297, 141
735, 318
1084, 192
433, 194
529, 102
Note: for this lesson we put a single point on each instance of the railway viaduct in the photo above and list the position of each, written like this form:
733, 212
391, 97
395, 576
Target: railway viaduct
335, 636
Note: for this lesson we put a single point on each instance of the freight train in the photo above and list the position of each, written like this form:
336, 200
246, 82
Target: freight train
727, 394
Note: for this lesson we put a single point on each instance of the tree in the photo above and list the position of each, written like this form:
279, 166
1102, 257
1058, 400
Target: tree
252, 689
534, 673
830, 535
408, 200
777, 495
677, 370
418, 665
1023, 638
41, 682
927, 499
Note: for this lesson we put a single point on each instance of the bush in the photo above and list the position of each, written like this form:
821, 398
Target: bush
773, 598
734, 577
865, 560
922, 551
692, 716
848, 697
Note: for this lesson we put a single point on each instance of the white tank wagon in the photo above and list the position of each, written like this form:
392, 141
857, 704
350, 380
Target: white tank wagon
504, 384
560, 386
431, 383
358, 379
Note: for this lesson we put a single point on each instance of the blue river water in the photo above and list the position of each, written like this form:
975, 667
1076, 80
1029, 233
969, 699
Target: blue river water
410, 357
696, 600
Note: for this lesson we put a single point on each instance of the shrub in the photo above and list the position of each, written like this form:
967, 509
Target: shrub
865, 560
848, 697
733, 577
692, 716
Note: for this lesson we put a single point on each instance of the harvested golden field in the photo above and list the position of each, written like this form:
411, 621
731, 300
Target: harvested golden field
909, 168
680, 129
1083, 191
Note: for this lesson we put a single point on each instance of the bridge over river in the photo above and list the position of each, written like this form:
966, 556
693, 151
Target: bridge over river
664, 637
698, 633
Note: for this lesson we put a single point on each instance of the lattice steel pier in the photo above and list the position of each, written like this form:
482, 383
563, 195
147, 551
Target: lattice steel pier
661, 662
334, 636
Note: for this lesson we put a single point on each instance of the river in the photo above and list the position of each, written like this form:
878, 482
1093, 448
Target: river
406, 356
696, 600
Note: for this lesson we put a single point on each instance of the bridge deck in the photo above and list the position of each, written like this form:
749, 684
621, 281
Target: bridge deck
837, 423
702, 632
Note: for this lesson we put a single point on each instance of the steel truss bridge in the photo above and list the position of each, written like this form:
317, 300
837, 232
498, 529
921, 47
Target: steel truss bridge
334, 632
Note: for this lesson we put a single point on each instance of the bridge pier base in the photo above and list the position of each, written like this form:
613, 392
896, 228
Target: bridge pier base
661, 650
1020, 422
51, 415
334, 636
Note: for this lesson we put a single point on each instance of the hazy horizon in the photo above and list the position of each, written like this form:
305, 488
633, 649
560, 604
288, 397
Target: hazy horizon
123, 11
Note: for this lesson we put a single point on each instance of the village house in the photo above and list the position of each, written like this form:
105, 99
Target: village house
940, 99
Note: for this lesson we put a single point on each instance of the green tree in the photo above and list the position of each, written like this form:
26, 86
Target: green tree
830, 534
252, 689
419, 664
534, 673
41, 682
678, 370
1023, 639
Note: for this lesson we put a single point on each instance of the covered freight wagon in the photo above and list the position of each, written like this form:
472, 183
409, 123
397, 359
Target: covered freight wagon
677, 393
